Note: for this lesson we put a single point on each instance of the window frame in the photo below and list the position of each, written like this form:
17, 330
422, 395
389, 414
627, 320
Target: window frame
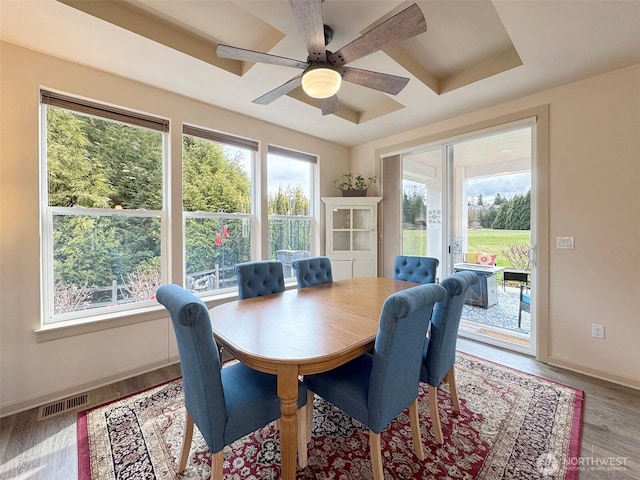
312, 217
104, 112
234, 141
172, 232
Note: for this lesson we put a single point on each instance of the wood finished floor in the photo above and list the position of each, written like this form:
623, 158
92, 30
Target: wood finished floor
32, 450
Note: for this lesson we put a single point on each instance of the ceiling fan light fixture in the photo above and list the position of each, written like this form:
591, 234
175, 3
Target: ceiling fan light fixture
321, 81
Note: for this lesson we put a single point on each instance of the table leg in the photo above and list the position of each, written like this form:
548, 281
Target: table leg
288, 393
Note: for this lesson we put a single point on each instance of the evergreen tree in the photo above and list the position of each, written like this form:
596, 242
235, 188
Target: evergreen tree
488, 216
413, 206
90, 165
212, 181
75, 179
131, 157
514, 214
289, 234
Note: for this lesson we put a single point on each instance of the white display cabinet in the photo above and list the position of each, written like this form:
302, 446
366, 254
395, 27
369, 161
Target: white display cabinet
352, 236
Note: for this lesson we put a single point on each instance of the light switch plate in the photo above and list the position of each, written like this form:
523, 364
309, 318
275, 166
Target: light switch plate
565, 243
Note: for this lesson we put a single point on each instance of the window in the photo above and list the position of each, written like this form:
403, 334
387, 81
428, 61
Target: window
217, 203
290, 178
105, 223
103, 214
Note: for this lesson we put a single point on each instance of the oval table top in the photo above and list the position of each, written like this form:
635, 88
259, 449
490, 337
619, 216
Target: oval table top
315, 328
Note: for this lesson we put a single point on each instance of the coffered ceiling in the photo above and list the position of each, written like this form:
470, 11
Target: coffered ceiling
474, 54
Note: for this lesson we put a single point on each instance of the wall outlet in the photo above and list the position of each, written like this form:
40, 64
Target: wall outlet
565, 243
597, 331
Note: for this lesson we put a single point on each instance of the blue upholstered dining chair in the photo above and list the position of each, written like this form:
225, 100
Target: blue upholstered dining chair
415, 269
263, 277
375, 387
312, 271
225, 403
439, 353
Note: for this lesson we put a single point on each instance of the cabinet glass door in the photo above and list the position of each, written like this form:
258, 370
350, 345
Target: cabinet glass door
341, 218
361, 219
342, 229
361, 229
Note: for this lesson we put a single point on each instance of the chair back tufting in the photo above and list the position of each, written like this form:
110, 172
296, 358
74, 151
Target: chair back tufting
312, 271
259, 278
404, 321
224, 403
415, 269
376, 387
199, 361
440, 347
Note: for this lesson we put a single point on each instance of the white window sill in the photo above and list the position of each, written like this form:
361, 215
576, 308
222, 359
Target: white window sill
70, 328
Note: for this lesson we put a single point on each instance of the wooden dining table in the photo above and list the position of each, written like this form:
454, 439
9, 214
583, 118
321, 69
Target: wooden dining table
300, 332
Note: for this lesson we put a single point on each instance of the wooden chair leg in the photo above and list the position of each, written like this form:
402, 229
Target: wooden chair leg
415, 429
303, 413
375, 449
433, 412
186, 442
450, 377
310, 396
217, 462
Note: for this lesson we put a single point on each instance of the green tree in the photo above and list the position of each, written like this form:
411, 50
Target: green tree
75, 179
514, 214
83, 251
132, 160
414, 206
289, 234
212, 182
488, 216
96, 163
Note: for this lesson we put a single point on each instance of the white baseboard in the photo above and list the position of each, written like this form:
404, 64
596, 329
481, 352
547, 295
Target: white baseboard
607, 376
34, 402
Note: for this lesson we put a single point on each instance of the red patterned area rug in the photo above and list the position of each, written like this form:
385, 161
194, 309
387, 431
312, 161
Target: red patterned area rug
512, 426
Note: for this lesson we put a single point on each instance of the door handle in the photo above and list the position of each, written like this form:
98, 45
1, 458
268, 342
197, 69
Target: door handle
531, 254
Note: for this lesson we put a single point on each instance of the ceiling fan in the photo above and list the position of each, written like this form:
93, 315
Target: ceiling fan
324, 70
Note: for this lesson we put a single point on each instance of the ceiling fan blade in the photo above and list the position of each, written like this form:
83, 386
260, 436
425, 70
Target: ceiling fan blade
308, 15
406, 24
235, 53
276, 93
329, 105
383, 82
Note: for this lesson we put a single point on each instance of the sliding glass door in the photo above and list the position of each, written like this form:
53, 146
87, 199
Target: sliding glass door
468, 202
422, 205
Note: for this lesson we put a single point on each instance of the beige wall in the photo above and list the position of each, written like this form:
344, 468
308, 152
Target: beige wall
33, 371
594, 174
593, 193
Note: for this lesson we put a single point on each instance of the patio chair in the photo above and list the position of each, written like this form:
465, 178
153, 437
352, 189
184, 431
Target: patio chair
312, 271
376, 387
525, 302
439, 354
415, 269
225, 403
259, 278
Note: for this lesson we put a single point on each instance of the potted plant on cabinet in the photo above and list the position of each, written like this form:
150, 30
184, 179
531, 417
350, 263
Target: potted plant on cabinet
353, 185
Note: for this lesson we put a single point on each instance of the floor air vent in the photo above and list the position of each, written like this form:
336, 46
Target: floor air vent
62, 406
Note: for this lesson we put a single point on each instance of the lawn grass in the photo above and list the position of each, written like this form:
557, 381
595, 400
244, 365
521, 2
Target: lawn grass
484, 240
490, 241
